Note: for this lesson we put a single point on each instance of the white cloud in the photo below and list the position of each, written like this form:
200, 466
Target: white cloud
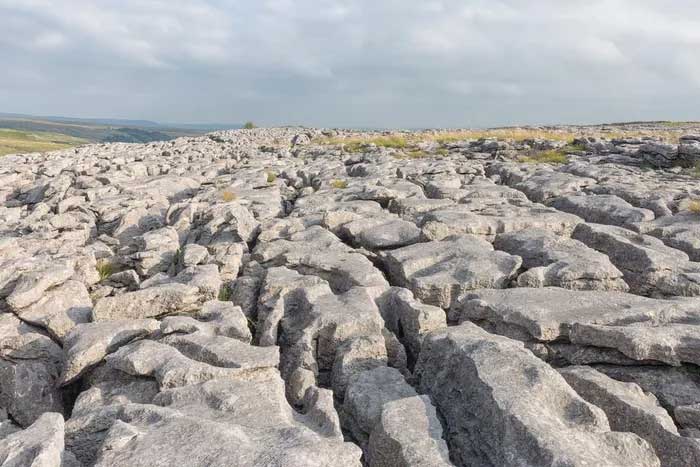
314, 60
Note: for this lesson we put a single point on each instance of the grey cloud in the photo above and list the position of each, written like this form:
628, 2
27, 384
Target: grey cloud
354, 63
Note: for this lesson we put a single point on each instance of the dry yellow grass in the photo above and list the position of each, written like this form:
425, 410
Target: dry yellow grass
358, 141
694, 206
339, 184
228, 196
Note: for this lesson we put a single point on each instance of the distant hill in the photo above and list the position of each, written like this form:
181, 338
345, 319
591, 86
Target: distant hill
106, 130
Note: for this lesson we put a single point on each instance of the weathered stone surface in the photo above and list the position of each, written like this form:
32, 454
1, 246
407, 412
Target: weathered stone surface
366, 396
437, 272
669, 343
394, 443
629, 409
504, 406
59, 309
672, 386
649, 266
409, 319
488, 219
679, 231
603, 209
170, 367
40, 445
88, 344
215, 299
152, 302
552, 260
548, 314
30, 364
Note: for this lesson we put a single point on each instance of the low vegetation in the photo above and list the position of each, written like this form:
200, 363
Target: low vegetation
694, 206
16, 141
339, 184
225, 294
554, 156
249, 126
104, 269
271, 177
228, 196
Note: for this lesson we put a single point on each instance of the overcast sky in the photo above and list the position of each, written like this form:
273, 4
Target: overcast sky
388, 63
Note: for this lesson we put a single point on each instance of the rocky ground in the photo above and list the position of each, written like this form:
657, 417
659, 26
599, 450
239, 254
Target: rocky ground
288, 297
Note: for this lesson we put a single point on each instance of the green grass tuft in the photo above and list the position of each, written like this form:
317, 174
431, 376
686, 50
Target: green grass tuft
225, 294
339, 184
271, 177
104, 269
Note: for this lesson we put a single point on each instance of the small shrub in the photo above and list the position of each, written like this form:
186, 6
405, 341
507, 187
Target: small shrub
694, 206
339, 184
228, 196
442, 151
104, 269
271, 177
249, 126
225, 294
546, 157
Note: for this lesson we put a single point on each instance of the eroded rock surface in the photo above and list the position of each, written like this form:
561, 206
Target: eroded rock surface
301, 297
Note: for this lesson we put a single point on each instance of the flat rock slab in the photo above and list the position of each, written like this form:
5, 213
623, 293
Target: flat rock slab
548, 314
671, 343
557, 261
152, 302
649, 266
88, 344
603, 209
438, 272
681, 231
504, 406
630, 409
490, 219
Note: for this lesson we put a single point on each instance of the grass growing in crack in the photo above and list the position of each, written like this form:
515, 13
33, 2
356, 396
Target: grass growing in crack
339, 184
271, 177
225, 294
553, 156
104, 269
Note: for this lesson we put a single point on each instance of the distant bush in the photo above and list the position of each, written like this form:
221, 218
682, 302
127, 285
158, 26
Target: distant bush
546, 157
249, 126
